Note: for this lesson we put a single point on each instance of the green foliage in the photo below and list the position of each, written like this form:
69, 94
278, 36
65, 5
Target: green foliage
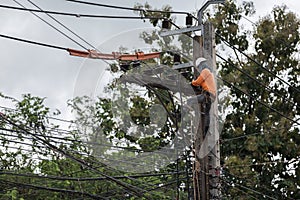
253, 135
271, 136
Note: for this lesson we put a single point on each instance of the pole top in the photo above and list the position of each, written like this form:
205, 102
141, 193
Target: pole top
209, 2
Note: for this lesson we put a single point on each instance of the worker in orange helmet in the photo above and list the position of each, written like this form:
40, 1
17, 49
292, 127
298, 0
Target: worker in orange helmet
207, 84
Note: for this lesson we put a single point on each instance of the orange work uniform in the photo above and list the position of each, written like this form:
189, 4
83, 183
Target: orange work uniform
206, 81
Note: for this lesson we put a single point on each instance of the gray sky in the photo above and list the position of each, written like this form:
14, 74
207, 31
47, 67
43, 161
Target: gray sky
51, 73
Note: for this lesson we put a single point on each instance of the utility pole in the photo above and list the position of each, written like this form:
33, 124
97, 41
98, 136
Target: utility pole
206, 167
207, 150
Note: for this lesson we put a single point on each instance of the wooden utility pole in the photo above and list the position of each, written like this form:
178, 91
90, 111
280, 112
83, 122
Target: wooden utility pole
213, 144
207, 149
206, 167
200, 178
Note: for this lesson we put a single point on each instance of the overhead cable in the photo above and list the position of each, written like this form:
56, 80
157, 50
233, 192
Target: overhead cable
67, 178
257, 63
52, 26
127, 8
78, 15
262, 103
64, 26
257, 81
22, 185
134, 189
33, 42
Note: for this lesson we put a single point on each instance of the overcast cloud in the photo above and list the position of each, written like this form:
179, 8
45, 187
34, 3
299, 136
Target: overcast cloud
53, 73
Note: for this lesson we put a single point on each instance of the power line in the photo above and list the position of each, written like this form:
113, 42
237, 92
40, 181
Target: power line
69, 140
254, 61
262, 103
33, 42
51, 25
77, 15
239, 137
128, 8
22, 185
64, 26
48, 117
264, 163
32, 175
130, 177
250, 189
227, 183
257, 81
136, 190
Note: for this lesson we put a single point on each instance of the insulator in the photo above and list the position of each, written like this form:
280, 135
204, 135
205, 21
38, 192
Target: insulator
124, 67
166, 24
136, 64
189, 20
177, 58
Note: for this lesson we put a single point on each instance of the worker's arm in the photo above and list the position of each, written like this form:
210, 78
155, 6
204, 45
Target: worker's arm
198, 81
201, 78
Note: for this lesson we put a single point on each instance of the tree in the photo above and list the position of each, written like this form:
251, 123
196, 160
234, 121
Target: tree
260, 151
264, 156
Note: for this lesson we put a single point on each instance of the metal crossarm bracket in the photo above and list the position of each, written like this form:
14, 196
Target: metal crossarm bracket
183, 65
179, 31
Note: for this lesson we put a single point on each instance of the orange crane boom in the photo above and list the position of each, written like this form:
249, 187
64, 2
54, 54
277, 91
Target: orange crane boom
114, 55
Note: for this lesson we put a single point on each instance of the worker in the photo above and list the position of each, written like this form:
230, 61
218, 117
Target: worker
207, 95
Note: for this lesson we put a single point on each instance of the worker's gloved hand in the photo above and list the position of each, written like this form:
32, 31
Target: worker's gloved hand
196, 88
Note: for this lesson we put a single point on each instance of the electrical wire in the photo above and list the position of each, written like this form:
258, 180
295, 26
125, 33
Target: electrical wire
64, 26
52, 26
32, 175
22, 185
239, 137
252, 190
33, 42
257, 81
134, 189
127, 8
48, 117
240, 190
254, 61
264, 163
128, 177
77, 15
262, 103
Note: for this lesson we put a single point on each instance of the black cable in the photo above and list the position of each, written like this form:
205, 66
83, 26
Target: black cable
239, 137
236, 179
240, 190
254, 61
64, 140
51, 25
64, 26
48, 117
127, 8
130, 177
265, 163
262, 103
32, 175
33, 42
134, 189
257, 81
118, 161
24, 185
77, 15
